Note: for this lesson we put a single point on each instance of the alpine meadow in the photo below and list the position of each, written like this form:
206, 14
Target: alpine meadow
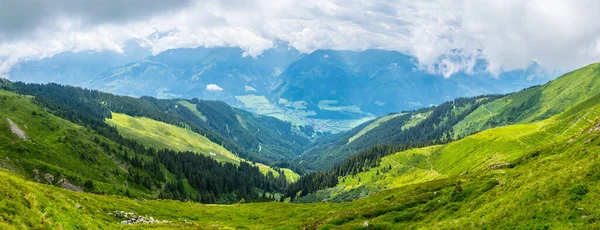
194, 114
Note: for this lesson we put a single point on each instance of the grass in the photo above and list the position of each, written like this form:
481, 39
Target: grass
192, 108
476, 153
372, 126
534, 104
416, 119
160, 135
59, 148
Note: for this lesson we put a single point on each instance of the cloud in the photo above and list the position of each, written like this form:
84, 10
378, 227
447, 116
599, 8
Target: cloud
20, 18
213, 88
445, 37
510, 34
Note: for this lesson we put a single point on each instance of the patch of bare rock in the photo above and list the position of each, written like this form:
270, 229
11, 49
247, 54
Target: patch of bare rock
132, 218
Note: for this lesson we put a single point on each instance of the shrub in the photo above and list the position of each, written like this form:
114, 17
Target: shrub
578, 191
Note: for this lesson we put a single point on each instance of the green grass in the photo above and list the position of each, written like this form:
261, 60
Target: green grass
476, 153
373, 125
416, 119
536, 103
59, 148
160, 135
192, 108
553, 184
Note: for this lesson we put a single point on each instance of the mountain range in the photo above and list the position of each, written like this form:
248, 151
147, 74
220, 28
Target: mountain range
330, 90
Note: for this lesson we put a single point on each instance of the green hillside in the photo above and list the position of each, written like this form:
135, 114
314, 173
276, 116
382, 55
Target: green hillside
420, 127
39, 146
56, 149
252, 137
271, 138
494, 148
459, 118
536, 103
160, 135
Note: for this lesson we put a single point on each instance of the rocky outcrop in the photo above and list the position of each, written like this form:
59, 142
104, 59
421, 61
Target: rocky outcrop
49, 178
498, 166
132, 218
63, 182
36, 175
7, 164
16, 130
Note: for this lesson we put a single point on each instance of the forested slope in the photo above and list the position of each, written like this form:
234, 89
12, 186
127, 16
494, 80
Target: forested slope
91, 108
45, 148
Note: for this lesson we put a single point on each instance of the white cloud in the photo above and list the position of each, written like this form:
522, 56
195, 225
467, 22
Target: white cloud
444, 36
213, 88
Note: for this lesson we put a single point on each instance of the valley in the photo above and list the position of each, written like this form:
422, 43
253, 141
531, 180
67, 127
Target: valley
488, 196
467, 163
443, 165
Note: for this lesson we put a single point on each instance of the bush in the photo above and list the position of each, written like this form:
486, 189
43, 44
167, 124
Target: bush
578, 191
89, 185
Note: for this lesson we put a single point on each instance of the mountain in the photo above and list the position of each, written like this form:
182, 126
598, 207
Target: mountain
481, 181
76, 67
355, 83
330, 90
267, 136
188, 72
458, 118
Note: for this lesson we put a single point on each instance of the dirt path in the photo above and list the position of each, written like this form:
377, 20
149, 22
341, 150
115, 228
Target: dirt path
16, 130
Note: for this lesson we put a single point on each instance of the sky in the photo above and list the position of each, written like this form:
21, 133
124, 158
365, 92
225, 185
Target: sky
445, 37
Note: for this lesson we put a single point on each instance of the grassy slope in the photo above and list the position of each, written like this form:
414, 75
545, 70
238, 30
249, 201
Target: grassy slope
553, 182
57, 147
390, 129
535, 103
477, 152
192, 108
373, 125
161, 135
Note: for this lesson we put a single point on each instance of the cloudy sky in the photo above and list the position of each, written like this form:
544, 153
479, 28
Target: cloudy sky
444, 36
